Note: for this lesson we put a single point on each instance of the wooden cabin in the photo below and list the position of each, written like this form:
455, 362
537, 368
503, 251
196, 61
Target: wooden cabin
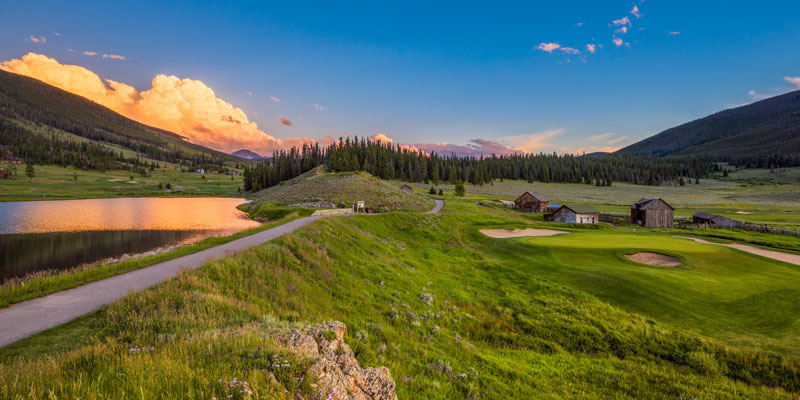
715, 221
576, 214
531, 201
653, 213
406, 188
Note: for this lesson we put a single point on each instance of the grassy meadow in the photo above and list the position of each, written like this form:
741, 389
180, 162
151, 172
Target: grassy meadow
58, 183
452, 313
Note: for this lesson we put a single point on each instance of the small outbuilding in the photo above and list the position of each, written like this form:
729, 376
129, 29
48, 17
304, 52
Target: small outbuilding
576, 214
653, 213
715, 221
531, 201
406, 188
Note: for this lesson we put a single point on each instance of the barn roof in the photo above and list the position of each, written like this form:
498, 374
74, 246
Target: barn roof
645, 202
536, 195
581, 208
704, 215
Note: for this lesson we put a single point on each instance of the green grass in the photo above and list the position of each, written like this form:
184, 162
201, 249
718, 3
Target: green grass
344, 187
58, 183
431, 298
41, 284
274, 211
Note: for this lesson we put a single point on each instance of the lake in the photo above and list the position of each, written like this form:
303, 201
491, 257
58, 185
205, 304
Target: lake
61, 234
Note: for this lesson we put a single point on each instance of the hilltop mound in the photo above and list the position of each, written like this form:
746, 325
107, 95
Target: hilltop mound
343, 187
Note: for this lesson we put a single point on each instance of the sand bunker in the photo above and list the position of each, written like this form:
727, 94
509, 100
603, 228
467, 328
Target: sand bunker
505, 233
775, 255
661, 260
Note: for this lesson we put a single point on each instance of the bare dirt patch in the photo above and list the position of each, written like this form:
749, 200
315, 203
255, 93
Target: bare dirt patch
507, 233
661, 260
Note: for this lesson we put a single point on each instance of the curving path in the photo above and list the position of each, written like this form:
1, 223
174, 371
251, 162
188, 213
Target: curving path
775, 255
439, 204
33, 316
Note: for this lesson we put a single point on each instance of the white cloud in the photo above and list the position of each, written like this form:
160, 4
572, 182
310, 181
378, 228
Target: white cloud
114, 56
37, 39
617, 41
794, 80
535, 142
56, 34
249, 93
622, 30
758, 96
635, 11
579, 24
548, 47
591, 48
90, 53
319, 107
673, 33
570, 50
275, 99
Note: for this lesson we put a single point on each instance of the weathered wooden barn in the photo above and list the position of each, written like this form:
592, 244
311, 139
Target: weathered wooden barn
715, 221
531, 201
576, 214
653, 213
406, 188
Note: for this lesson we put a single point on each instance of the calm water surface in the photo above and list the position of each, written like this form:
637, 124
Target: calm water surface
61, 234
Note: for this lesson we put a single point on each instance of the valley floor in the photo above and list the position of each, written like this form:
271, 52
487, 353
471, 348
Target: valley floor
451, 312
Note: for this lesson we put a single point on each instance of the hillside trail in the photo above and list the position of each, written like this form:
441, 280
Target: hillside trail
775, 255
33, 316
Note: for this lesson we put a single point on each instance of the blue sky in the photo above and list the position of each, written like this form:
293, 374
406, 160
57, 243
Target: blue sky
430, 73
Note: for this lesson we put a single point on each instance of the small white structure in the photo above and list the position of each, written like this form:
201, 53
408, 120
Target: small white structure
360, 206
201, 171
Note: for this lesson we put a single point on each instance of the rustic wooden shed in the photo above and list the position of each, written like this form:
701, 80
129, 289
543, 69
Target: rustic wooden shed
576, 214
531, 201
715, 221
406, 188
653, 213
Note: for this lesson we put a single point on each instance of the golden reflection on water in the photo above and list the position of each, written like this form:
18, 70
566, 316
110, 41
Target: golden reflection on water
123, 214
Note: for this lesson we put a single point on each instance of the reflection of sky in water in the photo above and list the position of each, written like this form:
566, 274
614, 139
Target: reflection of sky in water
123, 214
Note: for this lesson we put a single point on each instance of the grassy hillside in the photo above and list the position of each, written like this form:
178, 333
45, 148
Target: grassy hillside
750, 134
452, 313
344, 187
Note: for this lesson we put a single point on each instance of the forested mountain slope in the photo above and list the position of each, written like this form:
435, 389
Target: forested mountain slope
763, 134
33, 116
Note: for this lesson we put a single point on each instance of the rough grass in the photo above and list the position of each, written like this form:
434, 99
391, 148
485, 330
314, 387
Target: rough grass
344, 187
58, 183
453, 315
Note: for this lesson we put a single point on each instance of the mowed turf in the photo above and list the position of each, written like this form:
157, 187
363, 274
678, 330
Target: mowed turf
737, 297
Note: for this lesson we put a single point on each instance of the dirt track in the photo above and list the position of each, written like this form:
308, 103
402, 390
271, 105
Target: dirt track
775, 255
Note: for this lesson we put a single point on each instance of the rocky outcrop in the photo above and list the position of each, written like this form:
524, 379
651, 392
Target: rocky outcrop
335, 370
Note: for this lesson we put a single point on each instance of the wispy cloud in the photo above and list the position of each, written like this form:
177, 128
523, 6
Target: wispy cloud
617, 41
37, 39
535, 142
284, 121
606, 138
635, 11
319, 107
673, 33
570, 50
275, 99
579, 24
548, 47
115, 56
255, 114
591, 48
758, 96
299, 117
794, 80
622, 30
249, 93
622, 21
90, 53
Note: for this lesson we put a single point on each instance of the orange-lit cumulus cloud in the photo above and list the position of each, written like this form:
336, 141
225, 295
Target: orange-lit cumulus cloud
184, 106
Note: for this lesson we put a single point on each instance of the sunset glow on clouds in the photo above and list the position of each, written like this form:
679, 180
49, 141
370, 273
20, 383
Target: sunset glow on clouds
184, 106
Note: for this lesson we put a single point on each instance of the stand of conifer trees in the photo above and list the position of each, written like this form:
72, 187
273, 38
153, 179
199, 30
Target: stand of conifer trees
388, 161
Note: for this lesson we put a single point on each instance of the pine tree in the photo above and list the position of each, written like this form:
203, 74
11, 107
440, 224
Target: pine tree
459, 189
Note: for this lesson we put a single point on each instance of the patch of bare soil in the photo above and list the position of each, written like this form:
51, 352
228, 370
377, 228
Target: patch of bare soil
506, 233
661, 260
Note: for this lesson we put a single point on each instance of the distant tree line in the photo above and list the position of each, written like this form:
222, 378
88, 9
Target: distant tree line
388, 161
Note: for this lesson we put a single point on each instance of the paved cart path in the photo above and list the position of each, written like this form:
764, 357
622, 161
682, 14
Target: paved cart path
33, 316
775, 255
439, 204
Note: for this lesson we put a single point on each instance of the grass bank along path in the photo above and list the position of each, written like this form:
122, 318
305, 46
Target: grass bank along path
775, 255
27, 318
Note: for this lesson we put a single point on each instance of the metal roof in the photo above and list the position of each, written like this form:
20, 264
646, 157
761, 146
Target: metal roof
704, 215
536, 195
581, 208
